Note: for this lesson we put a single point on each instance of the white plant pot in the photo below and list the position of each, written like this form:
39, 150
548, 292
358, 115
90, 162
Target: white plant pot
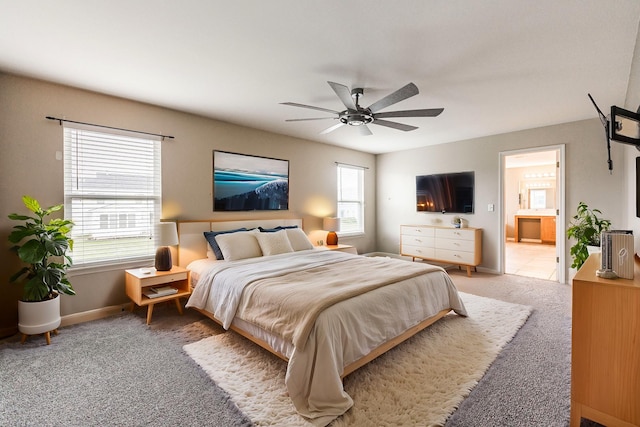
39, 317
593, 249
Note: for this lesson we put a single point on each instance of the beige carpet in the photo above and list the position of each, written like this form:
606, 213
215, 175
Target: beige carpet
420, 382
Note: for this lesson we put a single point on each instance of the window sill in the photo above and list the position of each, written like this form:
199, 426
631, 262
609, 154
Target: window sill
349, 235
114, 266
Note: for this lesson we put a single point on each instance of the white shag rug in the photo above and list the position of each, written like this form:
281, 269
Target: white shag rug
420, 382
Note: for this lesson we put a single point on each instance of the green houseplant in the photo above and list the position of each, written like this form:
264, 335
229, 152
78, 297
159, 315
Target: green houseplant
44, 248
586, 227
42, 243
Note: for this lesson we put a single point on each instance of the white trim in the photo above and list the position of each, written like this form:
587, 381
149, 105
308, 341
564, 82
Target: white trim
560, 206
110, 266
99, 313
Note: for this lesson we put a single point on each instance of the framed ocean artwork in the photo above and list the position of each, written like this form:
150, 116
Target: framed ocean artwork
249, 183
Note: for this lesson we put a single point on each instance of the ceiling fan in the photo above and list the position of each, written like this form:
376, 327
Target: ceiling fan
355, 115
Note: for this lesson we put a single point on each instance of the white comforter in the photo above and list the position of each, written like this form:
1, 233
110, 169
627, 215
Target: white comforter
342, 334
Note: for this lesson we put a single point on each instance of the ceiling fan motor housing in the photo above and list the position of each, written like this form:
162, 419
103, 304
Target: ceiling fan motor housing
356, 118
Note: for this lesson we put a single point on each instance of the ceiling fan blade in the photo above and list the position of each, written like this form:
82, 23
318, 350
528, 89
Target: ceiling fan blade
311, 118
364, 130
394, 125
332, 128
401, 94
344, 94
430, 112
294, 104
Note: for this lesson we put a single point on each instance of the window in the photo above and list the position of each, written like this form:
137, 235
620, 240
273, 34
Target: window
351, 199
112, 193
538, 199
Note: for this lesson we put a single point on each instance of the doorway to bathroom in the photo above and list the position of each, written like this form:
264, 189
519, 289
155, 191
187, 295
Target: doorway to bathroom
532, 207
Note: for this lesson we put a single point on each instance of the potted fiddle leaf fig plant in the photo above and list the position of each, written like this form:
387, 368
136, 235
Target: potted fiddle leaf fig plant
42, 243
585, 227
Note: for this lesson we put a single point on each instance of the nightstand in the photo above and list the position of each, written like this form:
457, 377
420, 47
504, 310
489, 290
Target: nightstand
342, 248
141, 282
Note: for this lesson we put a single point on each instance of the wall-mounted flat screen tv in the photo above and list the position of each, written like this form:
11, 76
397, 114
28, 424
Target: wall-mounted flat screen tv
446, 192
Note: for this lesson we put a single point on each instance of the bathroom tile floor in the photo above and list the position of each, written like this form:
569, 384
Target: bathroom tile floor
531, 260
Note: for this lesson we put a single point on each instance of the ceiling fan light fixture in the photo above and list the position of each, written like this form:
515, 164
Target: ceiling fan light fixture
360, 117
355, 119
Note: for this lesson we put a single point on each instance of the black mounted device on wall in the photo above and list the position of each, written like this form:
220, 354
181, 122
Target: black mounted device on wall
620, 126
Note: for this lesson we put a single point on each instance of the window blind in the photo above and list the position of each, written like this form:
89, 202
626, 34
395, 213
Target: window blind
351, 199
112, 193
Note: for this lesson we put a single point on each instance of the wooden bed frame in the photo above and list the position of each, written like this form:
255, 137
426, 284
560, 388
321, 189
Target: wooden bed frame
194, 246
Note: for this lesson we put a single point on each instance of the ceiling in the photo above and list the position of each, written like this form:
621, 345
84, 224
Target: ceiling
494, 66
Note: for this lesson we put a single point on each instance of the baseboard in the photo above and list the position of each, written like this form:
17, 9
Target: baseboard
8, 331
87, 316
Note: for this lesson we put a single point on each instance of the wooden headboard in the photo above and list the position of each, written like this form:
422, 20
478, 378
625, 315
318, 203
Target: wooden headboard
193, 245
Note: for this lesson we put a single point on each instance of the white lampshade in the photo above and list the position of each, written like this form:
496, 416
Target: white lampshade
331, 224
167, 234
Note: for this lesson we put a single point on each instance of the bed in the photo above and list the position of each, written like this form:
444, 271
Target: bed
327, 313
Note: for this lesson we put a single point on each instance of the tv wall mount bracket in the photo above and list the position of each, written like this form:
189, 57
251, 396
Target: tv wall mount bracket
621, 126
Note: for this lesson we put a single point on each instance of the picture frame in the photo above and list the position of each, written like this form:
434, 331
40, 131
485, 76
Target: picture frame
243, 182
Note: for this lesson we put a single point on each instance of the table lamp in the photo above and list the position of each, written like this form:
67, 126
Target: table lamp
331, 225
167, 236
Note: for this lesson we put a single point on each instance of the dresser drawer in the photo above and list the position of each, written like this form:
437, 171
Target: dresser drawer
461, 246
417, 240
456, 233
418, 251
165, 279
410, 230
456, 257
455, 245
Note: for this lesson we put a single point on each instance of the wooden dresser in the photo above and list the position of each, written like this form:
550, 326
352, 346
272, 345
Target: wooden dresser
458, 246
605, 353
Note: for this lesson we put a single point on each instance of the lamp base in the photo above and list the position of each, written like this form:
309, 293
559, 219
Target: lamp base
163, 259
332, 238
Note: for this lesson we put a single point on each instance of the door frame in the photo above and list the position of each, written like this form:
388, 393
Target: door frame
561, 258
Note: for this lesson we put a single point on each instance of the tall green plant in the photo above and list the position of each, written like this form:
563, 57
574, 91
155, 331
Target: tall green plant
585, 228
44, 249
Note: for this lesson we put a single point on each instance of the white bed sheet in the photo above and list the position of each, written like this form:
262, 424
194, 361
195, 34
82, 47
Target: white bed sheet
344, 333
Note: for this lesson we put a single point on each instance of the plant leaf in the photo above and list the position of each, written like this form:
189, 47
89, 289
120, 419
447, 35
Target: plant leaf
31, 204
32, 252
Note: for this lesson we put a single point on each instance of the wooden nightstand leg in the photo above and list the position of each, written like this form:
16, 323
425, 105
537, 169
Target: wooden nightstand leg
178, 305
47, 336
149, 313
23, 339
469, 271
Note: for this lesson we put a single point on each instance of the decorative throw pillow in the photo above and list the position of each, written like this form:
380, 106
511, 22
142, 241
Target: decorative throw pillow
298, 239
211, 238
274, 243
240, 245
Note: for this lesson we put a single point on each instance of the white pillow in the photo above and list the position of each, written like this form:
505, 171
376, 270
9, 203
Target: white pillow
298, 239
274, 243
240, 245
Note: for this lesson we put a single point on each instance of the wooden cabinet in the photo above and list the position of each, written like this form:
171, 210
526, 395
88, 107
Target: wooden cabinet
458, 246
605, 353
136, 280
548, 229
536, 227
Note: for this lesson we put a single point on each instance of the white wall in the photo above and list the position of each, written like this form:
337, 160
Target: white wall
28, 165
587, 179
